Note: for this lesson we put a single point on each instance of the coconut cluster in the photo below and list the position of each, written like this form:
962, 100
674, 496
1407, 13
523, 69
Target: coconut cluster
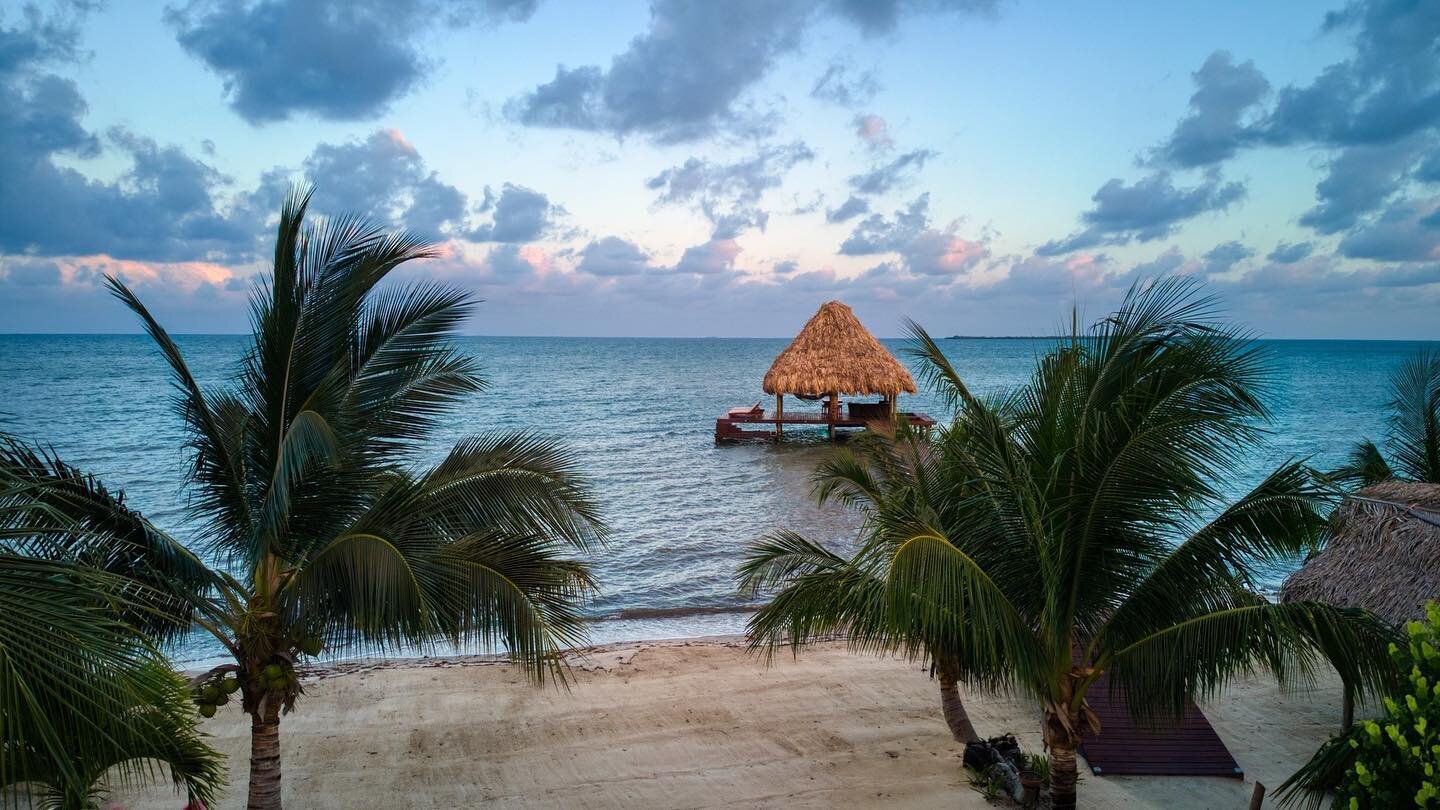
214, 693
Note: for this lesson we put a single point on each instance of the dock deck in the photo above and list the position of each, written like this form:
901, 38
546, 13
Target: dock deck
728, 428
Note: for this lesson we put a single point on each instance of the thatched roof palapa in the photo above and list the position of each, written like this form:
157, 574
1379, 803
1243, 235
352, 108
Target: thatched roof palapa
1384, 557
834, 352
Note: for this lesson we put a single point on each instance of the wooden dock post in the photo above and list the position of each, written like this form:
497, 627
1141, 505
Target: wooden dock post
779, 416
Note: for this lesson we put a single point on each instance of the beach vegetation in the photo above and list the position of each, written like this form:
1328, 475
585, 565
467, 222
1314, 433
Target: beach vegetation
1088, 522
87, 700
325, 526
1412, 430
1394, 759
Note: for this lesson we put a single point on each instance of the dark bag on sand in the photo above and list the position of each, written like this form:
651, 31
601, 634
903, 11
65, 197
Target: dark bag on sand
1001, 754
981, 754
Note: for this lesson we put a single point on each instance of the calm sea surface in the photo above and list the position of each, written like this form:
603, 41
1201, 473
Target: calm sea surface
640, 413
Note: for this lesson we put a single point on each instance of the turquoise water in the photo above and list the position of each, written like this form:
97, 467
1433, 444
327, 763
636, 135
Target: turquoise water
640, 414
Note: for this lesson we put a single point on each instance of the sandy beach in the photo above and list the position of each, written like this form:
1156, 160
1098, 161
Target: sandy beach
695, 724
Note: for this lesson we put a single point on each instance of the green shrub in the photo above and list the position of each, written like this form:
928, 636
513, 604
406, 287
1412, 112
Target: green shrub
1397, 757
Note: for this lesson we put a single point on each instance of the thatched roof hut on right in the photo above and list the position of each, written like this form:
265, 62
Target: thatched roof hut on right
1383, 554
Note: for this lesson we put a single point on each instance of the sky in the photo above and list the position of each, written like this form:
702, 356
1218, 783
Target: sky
702, 168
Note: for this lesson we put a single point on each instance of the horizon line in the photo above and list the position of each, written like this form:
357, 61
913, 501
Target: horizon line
716, 337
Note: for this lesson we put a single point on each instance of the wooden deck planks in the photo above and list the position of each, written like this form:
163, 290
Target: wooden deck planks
1125, 747
727, 428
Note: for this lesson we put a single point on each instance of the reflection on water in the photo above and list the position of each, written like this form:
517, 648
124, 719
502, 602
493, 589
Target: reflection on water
640, 414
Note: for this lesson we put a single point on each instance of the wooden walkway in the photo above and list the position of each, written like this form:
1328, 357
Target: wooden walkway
727, 428
1189, 748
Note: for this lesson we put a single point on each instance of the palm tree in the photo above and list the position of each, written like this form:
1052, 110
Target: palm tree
84, 693
1412, 430
323, 530
820, 594
1079, 526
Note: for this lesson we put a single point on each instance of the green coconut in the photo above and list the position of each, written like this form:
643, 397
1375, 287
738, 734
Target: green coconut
221, 699
207, 710
209, 693
229, 684
272, 671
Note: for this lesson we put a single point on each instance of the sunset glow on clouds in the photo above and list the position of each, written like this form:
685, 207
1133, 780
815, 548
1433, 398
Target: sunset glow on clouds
694, 168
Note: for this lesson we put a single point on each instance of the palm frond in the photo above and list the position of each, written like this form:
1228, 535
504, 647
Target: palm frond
1193, 658
1364, 466
781, 557
519, 482
82, 692
51, 510
1312, 785
1414, 424
217, 470
935, 370
1277, 521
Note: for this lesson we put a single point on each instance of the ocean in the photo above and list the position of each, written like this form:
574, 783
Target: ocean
640, 416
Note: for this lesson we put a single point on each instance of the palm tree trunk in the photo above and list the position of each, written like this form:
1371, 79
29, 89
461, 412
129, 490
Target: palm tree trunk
954, 708
265, 756
1062, 731
1063, 775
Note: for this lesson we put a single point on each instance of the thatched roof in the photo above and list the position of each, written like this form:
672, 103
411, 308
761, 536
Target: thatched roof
834, 352
1383, 558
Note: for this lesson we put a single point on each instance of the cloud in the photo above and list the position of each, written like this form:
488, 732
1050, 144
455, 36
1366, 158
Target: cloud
877, 234
840, 84
1224, 257
924, 250
728, 194
385, 177
873, 131
1031, 277
887, 176
338, 60
1151, 208
613, 256
1376, 112
876, 17
678, 81
940, 253
513, 263
1310, 283
685, 78
1288, 253
1380, 108
1429, 170
521, 215
1216, 126
1407, 231
40, 38
1389, 88
164, 205
1359, 179
24, 271
715, 256
853, 207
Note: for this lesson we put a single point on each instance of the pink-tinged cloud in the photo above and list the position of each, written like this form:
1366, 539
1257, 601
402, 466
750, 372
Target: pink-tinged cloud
715, 256
934, 253
398, 138
873, 130
541, 262
184, 277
